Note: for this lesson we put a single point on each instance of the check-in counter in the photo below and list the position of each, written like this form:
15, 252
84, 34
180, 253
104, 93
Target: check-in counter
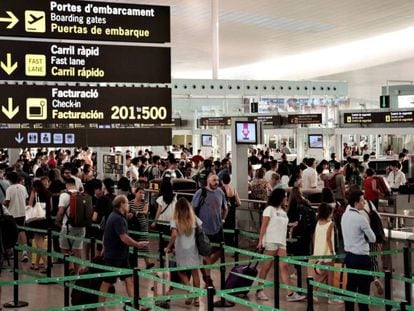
404, 205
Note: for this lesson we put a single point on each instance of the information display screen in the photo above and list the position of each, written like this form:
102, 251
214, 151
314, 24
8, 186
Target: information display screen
206, 140
246, 132
315, 141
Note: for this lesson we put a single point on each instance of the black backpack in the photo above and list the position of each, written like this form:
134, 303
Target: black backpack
376, 224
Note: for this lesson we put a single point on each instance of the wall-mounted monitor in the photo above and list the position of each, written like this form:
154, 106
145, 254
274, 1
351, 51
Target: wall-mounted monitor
246, 132
206, 140
315, 141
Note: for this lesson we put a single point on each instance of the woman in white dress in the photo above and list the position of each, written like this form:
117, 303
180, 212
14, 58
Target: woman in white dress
183, 227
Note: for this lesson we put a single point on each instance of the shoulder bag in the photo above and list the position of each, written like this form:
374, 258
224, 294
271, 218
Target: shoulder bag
202, 241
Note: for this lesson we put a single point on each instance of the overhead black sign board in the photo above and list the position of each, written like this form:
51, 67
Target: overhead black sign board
22, 138
267, 120
75, 104
215, 121
226, 121
85, 20
47, 61
305, 118
379, 117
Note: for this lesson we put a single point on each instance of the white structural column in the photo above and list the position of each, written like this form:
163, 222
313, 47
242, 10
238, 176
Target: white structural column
215, 37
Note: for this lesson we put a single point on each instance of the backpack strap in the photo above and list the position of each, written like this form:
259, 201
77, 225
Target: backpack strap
2, 190
201, 201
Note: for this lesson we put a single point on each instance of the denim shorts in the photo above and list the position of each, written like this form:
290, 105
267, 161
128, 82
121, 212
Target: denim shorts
270, 246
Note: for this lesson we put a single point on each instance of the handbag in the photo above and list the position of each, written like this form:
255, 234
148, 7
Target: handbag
202, 241
37, 212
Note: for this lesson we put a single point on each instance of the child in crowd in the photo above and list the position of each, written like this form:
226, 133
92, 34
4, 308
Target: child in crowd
324, 245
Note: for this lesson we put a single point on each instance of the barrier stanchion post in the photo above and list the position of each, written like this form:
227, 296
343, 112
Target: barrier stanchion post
93, 247
223, 303
136, 288
299, 275
210, 298
49, 251
65, 288
135, 257
277, 282
387, 286
236, 245
161, 249
388, 258
310, 293
403, 305
407, 274
16, 303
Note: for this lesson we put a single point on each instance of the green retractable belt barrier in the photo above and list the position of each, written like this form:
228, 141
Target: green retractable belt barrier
192, 292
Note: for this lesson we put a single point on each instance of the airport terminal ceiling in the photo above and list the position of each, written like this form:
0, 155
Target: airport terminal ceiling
362, 42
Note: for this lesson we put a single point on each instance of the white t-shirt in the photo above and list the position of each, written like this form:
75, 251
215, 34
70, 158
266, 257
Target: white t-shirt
17, 195
277, 228
309, 178
396, 179
78, 183
168, 213
64, 200
268, 175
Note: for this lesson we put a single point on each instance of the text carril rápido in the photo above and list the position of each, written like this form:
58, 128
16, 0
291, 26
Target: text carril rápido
69, 93
77, 115
70, 50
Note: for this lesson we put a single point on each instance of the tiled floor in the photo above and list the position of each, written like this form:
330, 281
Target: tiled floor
44, 296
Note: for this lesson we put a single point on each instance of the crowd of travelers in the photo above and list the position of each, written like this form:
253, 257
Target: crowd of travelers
289, 224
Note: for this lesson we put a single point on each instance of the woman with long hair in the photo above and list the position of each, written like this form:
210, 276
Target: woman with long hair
183, 226
40, 195
303, 221
138, 221
272, 238
166, 204
233, 201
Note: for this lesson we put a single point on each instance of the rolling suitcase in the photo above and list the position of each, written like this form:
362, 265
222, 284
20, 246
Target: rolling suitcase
236, 281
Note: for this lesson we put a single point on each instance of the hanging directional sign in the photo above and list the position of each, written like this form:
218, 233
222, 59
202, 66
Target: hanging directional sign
23, 138
89, 63
379, 117
74, 104
85, 20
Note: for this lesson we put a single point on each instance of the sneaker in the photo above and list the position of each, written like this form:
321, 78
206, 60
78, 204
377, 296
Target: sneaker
295, 297
335, 301
315, 299
378, 286
260, 295
25, 257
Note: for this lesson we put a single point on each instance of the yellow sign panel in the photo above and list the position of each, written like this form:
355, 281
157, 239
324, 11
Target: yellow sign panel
387, 118
36, 109
35, 21
35, 65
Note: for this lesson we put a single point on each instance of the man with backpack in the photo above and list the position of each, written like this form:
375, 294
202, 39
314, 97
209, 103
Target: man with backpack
74, 215
210, 205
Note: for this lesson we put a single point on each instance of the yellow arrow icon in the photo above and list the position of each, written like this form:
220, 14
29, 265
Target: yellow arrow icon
9, 111
12, 20
8, 67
